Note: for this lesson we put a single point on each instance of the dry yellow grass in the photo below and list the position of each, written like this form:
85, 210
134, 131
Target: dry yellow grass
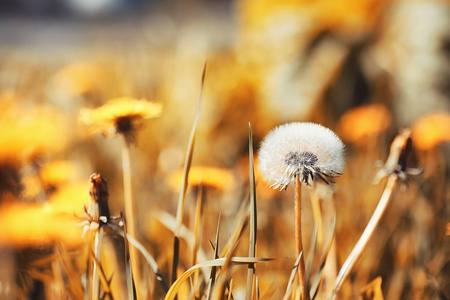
45, 162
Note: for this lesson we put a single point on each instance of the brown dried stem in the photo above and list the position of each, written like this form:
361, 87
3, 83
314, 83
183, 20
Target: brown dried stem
364, 239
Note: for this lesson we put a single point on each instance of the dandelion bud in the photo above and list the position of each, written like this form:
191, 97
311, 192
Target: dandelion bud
307, 150
98, 189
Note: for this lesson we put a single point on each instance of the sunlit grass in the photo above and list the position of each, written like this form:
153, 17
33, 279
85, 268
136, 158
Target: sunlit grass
200, 220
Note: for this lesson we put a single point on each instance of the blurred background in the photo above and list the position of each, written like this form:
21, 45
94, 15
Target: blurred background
366, 69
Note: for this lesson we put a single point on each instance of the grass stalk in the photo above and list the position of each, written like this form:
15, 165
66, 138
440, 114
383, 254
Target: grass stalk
298, 238
131, 290
253, 218
368, 232
212, 277
184, 185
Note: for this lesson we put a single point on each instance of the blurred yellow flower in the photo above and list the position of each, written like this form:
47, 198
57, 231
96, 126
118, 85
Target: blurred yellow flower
70, 198
431, 130
364, 121
120, 115
30, 225
28, 132
201, 175
58, 172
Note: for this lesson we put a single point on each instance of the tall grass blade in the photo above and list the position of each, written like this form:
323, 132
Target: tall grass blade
226, 270
184, 184
197, 224
242, 220
212, 277
131, 289
319, 273
253, 216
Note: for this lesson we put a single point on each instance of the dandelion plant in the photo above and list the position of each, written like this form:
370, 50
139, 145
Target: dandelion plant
123, 116
300, 153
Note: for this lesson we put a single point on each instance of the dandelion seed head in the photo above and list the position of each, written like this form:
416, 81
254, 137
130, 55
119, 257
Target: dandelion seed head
307, 150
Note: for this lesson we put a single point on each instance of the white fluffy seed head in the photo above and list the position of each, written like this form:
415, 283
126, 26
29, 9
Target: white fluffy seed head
307, 150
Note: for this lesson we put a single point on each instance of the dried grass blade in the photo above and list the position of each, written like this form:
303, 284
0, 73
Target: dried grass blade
195, 288
319, 273
131, 289
71, 273
197, 225
368, 231
242, 220
230, 288
294, 272
311, 251
102, 276
212, 263
148, 257
184, 184
169, 222
219, 291
253, 216
212, 277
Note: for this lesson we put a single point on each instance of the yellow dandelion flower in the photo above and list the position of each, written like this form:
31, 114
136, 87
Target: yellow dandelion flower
201, 175
31, 224
362, 122
69, 198
28, 132
431, 130
120, 115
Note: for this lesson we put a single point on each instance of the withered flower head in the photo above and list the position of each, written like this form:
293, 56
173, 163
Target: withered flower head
98, 189
120, 115
396, 161
306, 150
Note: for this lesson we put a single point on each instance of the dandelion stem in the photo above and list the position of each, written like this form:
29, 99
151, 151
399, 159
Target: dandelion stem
95, 271
129, 214
298, 237
368, 232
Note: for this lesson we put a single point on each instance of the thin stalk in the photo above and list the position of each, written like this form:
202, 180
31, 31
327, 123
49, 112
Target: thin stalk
131, 290
129, 215
298, 238
368, 232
